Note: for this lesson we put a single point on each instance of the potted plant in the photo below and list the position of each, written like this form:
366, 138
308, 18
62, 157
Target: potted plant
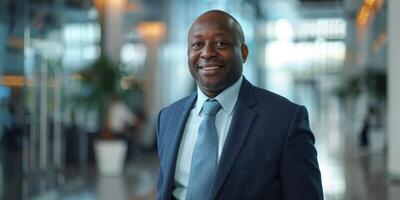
100, 84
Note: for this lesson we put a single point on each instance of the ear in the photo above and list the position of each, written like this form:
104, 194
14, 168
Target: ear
245, 52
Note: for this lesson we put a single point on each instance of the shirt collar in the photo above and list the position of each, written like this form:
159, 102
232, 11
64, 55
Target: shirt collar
227, 98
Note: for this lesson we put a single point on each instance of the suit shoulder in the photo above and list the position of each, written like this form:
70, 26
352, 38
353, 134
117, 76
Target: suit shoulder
178, 104
272, 99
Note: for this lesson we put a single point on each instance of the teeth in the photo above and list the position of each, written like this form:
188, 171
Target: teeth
210, 68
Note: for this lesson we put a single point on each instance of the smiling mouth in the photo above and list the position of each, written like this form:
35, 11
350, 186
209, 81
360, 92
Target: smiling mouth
209, 67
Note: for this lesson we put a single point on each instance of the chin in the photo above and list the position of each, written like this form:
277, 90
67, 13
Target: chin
212, 87
211, 84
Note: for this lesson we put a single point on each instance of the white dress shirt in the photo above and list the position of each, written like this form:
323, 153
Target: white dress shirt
227, 99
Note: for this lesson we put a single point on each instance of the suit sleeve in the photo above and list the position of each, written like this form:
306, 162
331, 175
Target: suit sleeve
299, 170
160, 173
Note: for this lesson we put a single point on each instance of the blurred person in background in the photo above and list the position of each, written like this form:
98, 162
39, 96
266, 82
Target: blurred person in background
13, 128
370, 121
121, 117
230, 139
122, 121
5, 118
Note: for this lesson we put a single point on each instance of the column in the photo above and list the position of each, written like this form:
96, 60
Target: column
393, 89
153, 33
113, 27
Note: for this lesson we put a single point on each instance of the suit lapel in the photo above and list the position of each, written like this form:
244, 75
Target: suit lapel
239, 129
175, 130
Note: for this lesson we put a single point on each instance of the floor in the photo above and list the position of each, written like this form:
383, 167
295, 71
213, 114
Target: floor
138, 183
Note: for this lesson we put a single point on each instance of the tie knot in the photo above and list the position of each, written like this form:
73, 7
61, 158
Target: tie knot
211, 107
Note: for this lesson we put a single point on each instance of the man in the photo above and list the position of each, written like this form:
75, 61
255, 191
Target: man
253, 144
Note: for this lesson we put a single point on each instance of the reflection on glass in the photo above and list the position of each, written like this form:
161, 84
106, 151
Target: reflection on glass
133, 56
81, 44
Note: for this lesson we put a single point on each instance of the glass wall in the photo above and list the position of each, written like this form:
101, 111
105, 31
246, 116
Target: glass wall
42, 44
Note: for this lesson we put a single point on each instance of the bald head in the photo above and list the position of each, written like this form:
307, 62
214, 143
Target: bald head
222, 18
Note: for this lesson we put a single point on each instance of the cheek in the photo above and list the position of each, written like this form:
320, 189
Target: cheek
235, 58
192, 58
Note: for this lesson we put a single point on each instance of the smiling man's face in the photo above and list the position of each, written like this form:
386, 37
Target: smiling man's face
216, 51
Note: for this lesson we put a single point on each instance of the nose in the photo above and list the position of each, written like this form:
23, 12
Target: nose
208, 51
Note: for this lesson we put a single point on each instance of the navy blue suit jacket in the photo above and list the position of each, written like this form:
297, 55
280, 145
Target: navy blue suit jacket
269, 152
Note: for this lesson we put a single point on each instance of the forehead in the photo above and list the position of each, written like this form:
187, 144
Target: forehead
214, 25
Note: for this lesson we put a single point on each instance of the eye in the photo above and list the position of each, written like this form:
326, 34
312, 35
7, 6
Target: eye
220, 43
196, 44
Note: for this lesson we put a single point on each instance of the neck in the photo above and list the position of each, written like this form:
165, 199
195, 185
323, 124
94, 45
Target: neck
211, 94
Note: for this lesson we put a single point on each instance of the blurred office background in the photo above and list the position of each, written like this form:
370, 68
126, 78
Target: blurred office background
69, 67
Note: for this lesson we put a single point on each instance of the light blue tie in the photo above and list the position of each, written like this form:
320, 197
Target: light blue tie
205, 155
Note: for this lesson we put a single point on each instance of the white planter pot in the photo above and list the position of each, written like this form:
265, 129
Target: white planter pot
110, 156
